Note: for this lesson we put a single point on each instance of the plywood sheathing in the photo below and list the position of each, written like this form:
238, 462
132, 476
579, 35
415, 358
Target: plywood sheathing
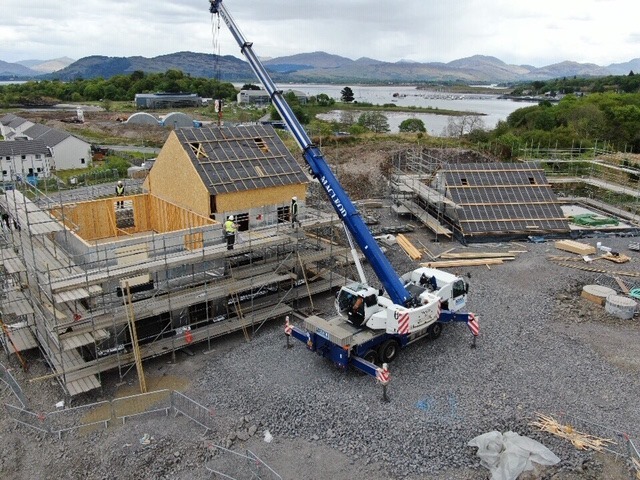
95, 220
175, 179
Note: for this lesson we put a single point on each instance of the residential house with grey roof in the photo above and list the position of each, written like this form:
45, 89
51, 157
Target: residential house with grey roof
68, 151
24, 159
12, 125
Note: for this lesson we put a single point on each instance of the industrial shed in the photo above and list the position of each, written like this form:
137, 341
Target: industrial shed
215, 171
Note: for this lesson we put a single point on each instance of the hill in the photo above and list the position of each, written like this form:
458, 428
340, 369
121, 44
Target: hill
319, 67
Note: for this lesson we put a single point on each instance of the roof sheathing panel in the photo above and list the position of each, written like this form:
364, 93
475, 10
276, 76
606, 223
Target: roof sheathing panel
501, 198
234, 159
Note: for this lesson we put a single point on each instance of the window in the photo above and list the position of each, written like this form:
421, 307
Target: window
23, 157
242, 219
38, 169
463, 181
82, 161
283, 214
4, 173
7, 158
38, 156
459, 288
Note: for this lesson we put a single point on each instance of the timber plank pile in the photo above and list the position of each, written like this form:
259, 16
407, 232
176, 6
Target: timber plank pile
470, 259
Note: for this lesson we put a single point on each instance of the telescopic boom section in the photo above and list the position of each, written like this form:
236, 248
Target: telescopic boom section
320, 170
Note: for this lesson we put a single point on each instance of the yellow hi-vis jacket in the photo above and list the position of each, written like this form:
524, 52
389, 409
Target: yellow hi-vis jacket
229, 226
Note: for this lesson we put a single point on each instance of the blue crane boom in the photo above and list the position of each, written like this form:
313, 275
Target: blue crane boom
340, 201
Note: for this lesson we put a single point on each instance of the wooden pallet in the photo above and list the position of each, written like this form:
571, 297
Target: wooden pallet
575, 247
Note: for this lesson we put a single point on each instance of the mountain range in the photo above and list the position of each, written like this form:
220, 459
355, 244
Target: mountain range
315, 67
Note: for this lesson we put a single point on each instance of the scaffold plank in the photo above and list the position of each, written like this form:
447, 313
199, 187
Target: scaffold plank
14, 265
29, 215
16, 303
21, 339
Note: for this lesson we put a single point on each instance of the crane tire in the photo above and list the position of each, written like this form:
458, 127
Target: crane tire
434, 330
389, 350
371, 356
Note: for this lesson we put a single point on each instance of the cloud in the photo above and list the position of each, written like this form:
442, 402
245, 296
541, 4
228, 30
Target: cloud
538, 33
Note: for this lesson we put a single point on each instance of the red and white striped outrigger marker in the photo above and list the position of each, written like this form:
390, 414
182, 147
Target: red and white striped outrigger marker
287, 330
474, 326
383, 377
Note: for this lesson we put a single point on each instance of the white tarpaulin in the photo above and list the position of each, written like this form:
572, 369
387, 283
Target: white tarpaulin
508, 455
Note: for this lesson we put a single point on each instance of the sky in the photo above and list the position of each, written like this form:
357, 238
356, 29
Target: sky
538, 33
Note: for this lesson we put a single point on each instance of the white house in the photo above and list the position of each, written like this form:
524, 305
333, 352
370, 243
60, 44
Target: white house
12, 125
68, 151
25, 159
261, 97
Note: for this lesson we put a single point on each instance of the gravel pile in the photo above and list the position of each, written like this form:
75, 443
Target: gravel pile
443, 393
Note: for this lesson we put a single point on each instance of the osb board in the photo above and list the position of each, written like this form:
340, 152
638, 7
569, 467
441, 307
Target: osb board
194, 241
281, 195
575, 247
174, 178
95, 220
168, 217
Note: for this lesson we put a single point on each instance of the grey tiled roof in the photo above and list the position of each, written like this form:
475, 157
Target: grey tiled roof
50, 136
234, 159
8, 118
23, 147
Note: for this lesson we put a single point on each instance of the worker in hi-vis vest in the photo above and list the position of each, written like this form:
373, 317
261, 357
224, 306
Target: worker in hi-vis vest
230, 228
120, 193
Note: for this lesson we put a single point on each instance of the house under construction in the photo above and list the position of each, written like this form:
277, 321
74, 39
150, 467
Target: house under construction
103, 283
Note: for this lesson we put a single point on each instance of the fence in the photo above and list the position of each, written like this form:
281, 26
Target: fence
142, 404
104, 413
193, 410
244, 467
7, 378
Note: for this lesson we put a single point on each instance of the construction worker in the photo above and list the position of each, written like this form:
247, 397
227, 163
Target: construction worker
120, 193
293, 212
230, 228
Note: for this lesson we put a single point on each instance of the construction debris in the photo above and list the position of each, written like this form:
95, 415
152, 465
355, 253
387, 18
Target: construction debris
580, 440
575, 247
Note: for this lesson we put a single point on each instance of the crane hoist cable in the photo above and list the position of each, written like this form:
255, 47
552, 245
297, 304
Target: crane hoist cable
215, 48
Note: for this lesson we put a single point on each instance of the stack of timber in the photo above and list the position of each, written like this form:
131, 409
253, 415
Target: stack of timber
575, 247
469, 259
408, 247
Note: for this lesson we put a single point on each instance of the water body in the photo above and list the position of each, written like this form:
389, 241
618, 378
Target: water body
492, 108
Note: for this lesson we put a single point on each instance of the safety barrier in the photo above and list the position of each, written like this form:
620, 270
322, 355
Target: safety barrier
248, 466
634, 457
35, 421
75, 418
142, 404
182, 404
7, 378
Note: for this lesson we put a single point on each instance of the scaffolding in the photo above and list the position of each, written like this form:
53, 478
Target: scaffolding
75, 300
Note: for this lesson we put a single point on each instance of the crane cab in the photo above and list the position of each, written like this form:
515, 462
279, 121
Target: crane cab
357, 303
451, 289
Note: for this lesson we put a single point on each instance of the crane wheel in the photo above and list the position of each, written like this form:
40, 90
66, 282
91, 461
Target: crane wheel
389, 350
434, 330
371, 356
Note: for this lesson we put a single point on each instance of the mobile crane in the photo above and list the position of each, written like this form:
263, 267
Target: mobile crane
371, 325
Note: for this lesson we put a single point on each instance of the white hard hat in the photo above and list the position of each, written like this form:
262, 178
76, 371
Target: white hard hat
119, 182
295, 199
230, 217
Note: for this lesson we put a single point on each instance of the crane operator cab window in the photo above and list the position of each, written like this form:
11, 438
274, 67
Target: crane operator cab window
353, 306
459, 288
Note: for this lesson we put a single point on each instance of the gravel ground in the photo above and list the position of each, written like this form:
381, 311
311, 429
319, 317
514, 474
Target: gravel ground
542, 348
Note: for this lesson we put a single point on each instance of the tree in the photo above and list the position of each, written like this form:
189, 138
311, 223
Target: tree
324, 100
346, 94
374, 121
461, 125
250, 86
412, 125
